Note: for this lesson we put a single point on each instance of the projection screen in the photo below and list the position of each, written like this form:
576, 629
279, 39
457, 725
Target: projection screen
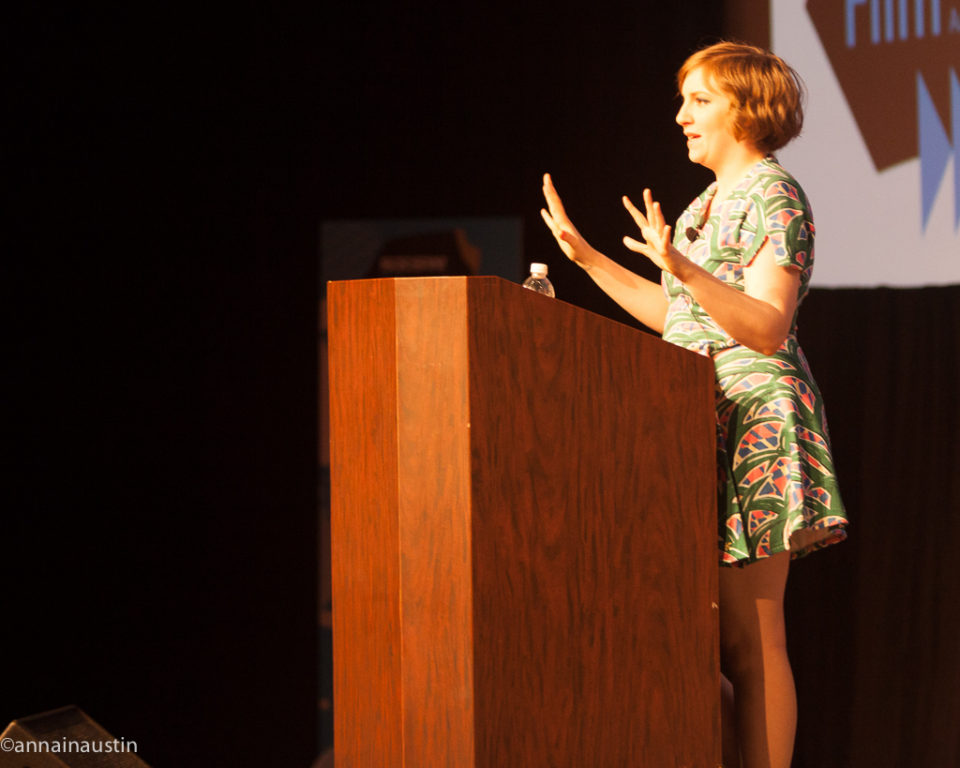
879, 151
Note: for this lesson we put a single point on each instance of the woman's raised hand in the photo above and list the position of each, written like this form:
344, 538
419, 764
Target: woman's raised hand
656, 232
571, 242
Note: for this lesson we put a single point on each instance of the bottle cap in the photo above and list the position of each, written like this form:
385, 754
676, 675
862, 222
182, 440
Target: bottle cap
538, 269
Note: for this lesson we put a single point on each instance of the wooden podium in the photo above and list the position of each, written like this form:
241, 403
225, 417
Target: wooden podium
524, 533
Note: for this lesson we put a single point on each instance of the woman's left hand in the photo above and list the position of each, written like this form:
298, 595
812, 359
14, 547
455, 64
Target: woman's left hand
657, 234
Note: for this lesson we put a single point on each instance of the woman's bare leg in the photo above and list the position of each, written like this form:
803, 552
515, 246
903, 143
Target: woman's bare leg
753, 652
728, 725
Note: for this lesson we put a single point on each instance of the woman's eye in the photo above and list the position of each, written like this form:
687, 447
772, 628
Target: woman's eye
702, 101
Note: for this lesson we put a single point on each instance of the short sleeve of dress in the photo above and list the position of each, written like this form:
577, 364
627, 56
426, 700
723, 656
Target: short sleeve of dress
778, 212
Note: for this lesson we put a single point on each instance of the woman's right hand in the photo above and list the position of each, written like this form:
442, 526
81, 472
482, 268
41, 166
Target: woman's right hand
571, 242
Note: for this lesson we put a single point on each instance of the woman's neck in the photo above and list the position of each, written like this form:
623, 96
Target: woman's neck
735, 167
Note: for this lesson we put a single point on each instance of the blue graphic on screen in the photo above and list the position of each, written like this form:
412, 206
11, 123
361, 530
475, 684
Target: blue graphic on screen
936, 146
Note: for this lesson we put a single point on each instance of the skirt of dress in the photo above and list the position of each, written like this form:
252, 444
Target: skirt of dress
777, 488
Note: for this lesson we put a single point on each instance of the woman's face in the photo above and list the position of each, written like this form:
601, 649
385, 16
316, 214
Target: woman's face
705, 117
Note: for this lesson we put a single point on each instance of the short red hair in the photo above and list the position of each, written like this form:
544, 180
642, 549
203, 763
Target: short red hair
766, 93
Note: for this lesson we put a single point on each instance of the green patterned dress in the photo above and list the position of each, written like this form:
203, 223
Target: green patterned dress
777, 490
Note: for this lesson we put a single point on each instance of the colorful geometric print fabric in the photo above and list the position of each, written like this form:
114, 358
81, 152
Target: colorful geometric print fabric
777, 490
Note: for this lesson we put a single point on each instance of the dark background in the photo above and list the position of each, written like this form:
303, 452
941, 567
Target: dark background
167, 169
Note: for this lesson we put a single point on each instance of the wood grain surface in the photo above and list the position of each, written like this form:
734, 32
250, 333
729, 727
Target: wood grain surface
365, 569
435, 525
594, 540
524, 533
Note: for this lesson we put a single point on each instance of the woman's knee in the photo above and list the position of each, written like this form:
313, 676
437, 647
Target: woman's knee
747, 646
748, 655
738, 656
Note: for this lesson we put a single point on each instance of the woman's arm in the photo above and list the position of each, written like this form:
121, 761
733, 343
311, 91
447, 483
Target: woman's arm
642, 298
758, 317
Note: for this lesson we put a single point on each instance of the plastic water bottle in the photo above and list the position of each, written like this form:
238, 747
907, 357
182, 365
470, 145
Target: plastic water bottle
538, 281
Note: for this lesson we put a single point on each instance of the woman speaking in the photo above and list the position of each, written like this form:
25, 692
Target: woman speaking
734, 272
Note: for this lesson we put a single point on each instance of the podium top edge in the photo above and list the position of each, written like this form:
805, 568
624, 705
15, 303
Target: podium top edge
471, 278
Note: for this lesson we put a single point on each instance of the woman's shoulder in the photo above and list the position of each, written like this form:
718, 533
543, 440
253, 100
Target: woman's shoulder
772, 180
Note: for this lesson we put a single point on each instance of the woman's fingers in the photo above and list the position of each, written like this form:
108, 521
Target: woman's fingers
653, 228
648, 204
654, 211
555, 229
652, 220
632, 209
553, 199
548, 220
556, 217
635, 212
645, 249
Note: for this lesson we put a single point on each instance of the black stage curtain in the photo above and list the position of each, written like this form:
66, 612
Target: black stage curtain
170, 167
874, 622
